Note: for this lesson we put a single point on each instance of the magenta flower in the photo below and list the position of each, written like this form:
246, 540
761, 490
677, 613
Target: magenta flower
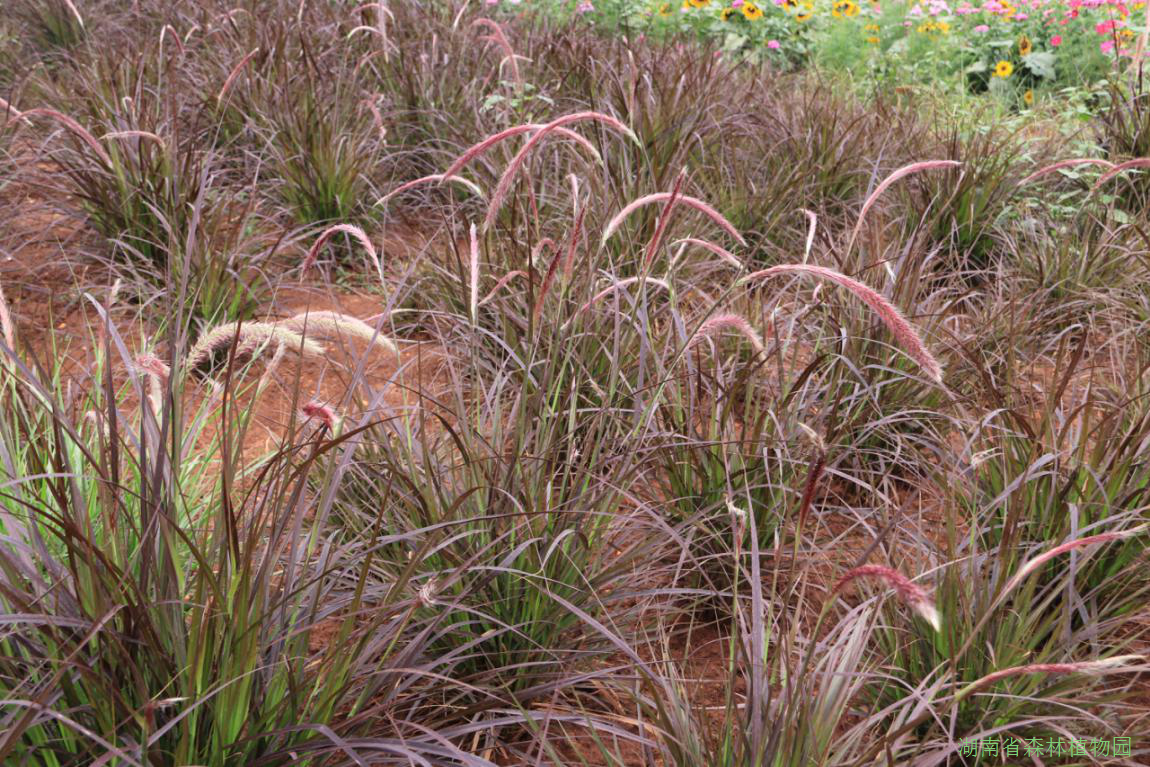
773, 45
1056, 41
982, 28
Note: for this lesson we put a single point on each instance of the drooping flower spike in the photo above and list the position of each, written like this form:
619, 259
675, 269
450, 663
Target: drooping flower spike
904, 332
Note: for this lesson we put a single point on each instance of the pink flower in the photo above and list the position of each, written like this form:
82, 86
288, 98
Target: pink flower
1105, 27
584, 7
1056, 41
736, 3
773, 45
1107, 46
982, 28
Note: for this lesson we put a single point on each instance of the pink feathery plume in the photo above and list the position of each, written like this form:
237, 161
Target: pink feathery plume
690, 202
722, 253
320, 412
577, 230
664, 219
910, 593
505, 181
122, 134
78, 130
1141, 162
904, 332
477, 150
1027, 569
503, 281
545, 287
151, 365
617, 285
1115, 664
498, 37
719, 323
902, 172
351, 229
1065, 164
235, 73
813, 221
6, 325
434, 177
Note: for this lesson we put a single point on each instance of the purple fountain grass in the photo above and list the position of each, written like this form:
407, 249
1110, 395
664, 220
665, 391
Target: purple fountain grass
380, 28
904, 332
1140, 162
434, 177
813, 225
1112, 665
545, 286
235, 73
123, 134
7, 109
617, 285
723, 322
721, 252
1033, 564
1065, 164
576, 231
474, 276
818, 466
477, 150
75, 12
351, 229
913, 595
499, 38
76, 128
664, 218
501, 283
318, 411
248, 338
505, 181
690, 202
151, 365
6, 325
901, 173
335, 323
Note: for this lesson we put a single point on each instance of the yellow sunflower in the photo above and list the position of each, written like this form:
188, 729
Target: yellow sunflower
1003, 69
751, 11
808, 10
1028, 98
1025, 46
665, 10
699, 3
726, 14
844, 9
